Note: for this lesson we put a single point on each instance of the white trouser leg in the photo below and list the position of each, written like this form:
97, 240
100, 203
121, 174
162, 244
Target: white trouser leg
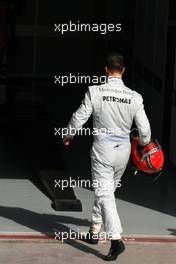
108, 165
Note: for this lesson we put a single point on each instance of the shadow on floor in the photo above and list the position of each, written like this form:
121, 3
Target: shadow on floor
173, 231
48, 224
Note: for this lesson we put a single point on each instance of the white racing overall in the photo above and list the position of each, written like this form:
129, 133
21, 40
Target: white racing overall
114, 107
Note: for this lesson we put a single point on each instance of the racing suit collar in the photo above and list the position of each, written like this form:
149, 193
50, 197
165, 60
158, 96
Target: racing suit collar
114, 79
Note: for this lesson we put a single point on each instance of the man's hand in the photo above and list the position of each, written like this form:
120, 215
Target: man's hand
67, 140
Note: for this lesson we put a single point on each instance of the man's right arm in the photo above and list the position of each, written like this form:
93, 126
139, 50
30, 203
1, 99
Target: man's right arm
142, 122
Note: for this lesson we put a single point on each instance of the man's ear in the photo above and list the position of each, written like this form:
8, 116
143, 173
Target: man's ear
106, 70
123, 70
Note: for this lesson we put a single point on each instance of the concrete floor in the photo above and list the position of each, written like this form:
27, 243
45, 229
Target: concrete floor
23, 208
80, 252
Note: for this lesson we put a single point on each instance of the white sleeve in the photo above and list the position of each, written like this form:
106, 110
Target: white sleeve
81, 115
142, 122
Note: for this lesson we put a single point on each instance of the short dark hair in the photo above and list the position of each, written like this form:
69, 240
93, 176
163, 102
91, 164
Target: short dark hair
115, 61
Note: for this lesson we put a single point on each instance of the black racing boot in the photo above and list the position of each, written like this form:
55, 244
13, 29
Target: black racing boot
117, 247
91, 238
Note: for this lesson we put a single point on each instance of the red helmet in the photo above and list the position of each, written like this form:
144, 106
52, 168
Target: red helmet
148, 159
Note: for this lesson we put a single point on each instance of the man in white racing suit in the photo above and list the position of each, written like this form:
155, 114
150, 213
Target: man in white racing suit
114, 107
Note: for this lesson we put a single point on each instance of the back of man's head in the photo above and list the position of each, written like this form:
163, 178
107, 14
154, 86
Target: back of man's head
115, 62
